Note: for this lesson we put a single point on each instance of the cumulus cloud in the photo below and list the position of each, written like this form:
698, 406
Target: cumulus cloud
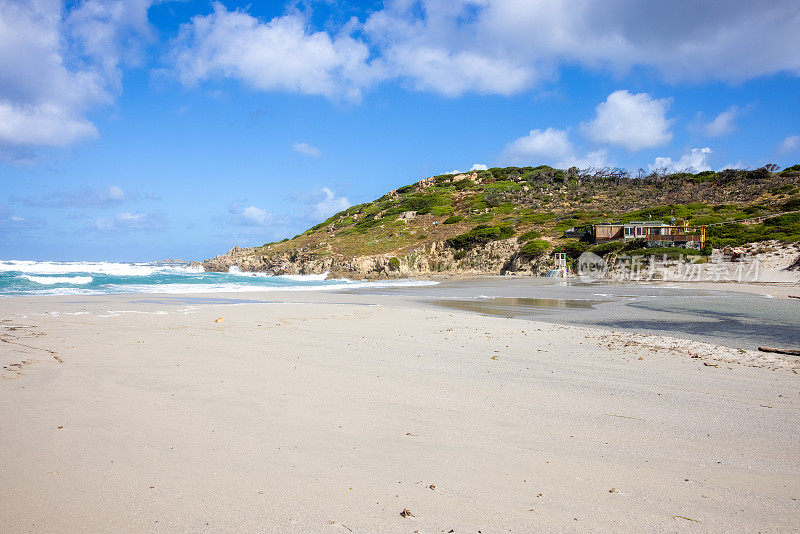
547, 145
58, 63
249, 216
45, 124
632, 121
282, 54
307, 150
790, 145
85, 197
256, 216
475, 167
326, 203
513, 44
552, 147
595, 159
126, 221
724, 123
551, 143
453, 73
695, 160
62, 60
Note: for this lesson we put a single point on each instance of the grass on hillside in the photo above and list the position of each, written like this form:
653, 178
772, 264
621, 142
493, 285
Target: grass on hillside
542, 203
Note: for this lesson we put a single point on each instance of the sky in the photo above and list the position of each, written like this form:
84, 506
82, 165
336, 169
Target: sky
136, 130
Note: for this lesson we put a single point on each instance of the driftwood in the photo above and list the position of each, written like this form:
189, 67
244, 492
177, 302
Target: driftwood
794, 296
780, 351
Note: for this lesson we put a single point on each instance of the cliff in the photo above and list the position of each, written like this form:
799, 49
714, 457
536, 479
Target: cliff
498, 257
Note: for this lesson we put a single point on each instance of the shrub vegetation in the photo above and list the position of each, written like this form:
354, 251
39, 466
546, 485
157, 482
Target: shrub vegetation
534, 249
480, 235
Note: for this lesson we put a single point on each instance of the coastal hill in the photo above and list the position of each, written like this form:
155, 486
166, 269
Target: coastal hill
509, 220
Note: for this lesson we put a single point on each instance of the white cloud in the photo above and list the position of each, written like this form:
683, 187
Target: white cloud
790, 145
115, 192
127, 221
504, 47
424, 43
632, 121
327, 203
455, 73
110, 32
475, 167
256, 216
552, 147
307, 150
549, 145
507, 46
46, 124
57, 64
695, 160
249, 216
722, 123
596, 159
282, 54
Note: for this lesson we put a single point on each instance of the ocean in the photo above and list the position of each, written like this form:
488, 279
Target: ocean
105, 278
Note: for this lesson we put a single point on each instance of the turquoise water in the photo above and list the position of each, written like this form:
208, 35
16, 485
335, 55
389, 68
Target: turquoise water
104, 278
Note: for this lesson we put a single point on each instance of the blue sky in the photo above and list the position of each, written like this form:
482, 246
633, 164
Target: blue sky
137, 130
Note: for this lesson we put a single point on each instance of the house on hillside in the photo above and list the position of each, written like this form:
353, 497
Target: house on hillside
654, 233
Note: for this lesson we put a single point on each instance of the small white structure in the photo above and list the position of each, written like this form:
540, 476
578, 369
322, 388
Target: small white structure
559, 265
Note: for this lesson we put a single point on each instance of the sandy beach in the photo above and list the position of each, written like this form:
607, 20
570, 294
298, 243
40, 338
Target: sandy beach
332, 412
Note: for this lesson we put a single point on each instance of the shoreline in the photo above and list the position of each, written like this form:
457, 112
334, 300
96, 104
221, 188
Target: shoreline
778, 288
600, 304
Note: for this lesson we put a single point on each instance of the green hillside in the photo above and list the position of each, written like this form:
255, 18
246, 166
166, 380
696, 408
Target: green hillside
539, 204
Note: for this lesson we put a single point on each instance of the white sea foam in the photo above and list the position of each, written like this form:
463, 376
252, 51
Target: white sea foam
129, 278
94, 267
62, 291
244, 288
184, 289
305, 277
51, 280
234, 269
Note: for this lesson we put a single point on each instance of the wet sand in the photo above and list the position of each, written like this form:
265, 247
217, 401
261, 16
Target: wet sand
716, 313
335, 412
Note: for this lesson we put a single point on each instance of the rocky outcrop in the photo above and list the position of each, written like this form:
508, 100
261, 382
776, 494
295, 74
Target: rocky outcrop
497, 257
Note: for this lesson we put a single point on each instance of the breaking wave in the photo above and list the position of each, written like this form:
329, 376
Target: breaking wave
51, 280
99, 278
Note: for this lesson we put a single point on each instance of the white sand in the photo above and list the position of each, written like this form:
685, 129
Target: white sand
331, 417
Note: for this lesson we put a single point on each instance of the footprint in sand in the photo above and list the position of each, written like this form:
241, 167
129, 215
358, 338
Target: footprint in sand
12, 336
13, 371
